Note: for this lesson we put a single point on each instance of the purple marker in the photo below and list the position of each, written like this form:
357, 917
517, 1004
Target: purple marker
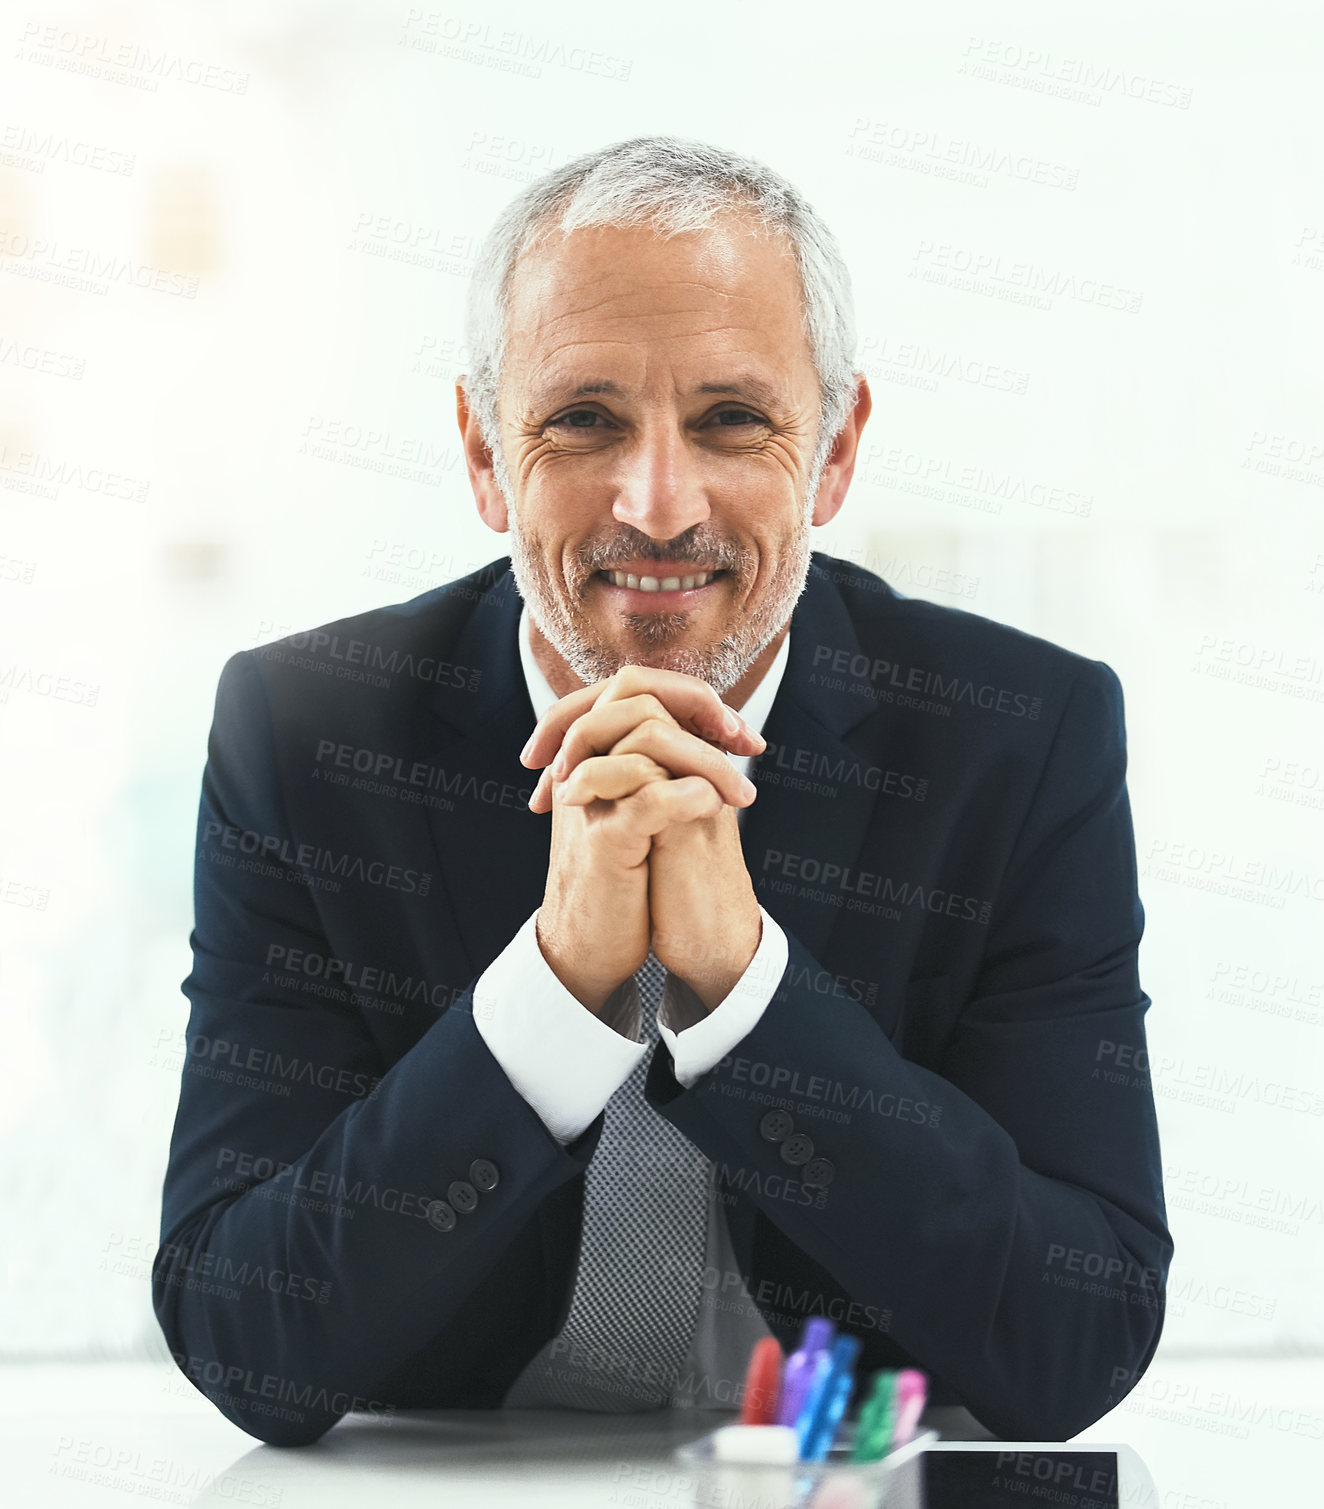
802, 1368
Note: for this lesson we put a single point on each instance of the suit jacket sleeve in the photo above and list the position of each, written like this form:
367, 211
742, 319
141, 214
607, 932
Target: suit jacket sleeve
1007, 1210
308, 1235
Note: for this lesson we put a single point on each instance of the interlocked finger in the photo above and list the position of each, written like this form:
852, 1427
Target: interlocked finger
608, 778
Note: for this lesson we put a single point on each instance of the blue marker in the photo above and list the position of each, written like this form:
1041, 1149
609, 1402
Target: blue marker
817, 1426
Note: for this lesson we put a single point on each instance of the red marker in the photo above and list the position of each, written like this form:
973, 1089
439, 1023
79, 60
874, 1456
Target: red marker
762, 1383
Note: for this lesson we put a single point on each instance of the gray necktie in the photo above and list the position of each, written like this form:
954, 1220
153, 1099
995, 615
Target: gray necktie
637, 1288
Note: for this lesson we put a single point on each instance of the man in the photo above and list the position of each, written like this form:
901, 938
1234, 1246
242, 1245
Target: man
504, 1092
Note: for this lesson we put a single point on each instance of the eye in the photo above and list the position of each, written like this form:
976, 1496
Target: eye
583, 420
575, 414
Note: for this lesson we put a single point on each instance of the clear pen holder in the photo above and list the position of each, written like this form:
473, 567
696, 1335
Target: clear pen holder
894, 1482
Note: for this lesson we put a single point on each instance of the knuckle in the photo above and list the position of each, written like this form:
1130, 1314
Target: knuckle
579, 779
652, 796
708, 797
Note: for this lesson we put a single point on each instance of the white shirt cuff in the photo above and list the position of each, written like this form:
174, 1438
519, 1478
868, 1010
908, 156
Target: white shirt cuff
698, 1041
566, 1062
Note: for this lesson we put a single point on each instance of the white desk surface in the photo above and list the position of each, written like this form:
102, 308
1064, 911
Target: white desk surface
1215, 1433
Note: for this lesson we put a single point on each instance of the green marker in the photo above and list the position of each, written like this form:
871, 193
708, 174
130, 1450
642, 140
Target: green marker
873, 1433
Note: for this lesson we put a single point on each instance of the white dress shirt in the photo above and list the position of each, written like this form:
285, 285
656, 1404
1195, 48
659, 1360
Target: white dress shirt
567, 1063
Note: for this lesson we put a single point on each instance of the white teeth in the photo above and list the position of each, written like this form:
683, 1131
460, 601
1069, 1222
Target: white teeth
666, 584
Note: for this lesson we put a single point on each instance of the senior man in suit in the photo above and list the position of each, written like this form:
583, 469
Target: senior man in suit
504, 1091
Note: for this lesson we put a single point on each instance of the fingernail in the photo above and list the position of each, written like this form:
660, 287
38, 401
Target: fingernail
748, 787
524, 753
558, 765
732, 724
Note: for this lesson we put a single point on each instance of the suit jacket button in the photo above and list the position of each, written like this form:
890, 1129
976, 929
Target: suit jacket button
776, 1126
484, 1175
440, 1216
797, 1149
464, 1197
819, 1173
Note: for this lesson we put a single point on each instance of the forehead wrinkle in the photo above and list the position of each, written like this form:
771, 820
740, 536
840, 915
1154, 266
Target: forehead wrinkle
634, 290
702, 321
539, 362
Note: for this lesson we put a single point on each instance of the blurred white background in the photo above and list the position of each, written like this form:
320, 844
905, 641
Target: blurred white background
1089, 266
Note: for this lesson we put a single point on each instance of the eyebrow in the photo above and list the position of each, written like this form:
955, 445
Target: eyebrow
751, 387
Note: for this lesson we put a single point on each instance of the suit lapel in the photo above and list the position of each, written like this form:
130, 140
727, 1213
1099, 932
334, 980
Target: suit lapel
491, 851
806, 732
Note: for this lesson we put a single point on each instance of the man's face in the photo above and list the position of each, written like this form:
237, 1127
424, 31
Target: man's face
658, 415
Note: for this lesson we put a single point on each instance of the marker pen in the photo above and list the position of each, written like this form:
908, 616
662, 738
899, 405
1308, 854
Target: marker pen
802, 1367
825, 1408
762, 1383
877, 1423
912, 1389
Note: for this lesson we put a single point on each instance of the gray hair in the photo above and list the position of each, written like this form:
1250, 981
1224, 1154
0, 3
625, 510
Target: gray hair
673, 185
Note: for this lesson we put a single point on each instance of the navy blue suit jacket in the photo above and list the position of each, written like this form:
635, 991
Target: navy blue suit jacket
943, 831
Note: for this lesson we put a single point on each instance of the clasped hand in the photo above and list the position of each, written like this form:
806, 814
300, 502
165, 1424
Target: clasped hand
645, 847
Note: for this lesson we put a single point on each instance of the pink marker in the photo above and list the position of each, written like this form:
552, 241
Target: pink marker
911, 1395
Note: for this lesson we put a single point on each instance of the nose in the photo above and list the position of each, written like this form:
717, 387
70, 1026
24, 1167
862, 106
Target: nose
660, 485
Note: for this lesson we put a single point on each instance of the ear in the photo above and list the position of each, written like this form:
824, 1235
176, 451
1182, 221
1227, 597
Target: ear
478, 460
839, 467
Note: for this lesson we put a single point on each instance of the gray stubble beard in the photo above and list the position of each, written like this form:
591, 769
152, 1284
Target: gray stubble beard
721, 665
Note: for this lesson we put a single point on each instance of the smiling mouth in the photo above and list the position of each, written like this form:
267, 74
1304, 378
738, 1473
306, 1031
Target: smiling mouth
666, 586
